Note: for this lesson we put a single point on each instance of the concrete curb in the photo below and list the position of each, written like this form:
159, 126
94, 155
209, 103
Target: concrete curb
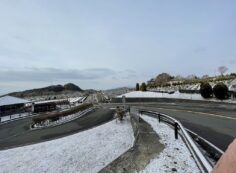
146, 147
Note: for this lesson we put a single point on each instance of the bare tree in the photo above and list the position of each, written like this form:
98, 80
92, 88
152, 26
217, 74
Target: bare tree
222, 70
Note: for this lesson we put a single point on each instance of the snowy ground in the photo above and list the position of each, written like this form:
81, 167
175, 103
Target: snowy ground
149, 94
175, 157
176, 95
76, 100
85, 152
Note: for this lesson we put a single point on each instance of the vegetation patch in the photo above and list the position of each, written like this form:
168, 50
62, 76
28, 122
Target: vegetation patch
55, 116
220, 91
206, 90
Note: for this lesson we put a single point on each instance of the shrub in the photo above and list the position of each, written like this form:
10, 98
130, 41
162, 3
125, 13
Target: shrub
206, 90
189, 91
220, 91
137, 86
233, 74
56, 115
143, 87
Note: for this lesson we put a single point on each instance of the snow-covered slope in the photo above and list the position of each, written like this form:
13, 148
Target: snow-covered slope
85, 152
176, 95
175, 157
148, 94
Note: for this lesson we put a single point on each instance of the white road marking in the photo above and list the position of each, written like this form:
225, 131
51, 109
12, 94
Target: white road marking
202, 113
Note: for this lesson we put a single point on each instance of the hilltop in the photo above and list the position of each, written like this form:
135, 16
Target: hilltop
49, 90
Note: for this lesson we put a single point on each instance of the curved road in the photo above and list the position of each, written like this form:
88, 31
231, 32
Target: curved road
215, 122
17, 133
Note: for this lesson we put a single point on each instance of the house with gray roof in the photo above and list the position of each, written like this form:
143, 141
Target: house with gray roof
12, 105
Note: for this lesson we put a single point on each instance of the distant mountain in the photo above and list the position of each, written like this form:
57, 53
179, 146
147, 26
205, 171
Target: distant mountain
72, 87
50, 90
90, 91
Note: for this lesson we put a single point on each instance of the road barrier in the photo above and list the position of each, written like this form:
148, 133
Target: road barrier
203, 164
212, 151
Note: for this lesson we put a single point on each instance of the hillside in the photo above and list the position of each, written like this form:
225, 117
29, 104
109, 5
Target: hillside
117, 91
49, 90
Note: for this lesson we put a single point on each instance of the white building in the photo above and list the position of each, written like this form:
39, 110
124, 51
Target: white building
232, 86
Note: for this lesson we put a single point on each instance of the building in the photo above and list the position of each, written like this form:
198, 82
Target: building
12, 105
43, 107
48, 105
232, 86
232, 89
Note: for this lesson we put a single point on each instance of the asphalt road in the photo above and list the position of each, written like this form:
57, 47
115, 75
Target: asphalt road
215, 122
17, 133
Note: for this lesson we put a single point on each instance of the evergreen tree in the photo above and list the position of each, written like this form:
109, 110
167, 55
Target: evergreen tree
143, 87
220, 90
137, 86
206, 90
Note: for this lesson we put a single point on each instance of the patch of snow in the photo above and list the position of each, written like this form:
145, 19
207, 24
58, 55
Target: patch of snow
50, 101
64, 107
5, 118
25, 114
232, 88
176, 95
14, 117
75, 100
175, 157
10, 100
84, 152
148, 94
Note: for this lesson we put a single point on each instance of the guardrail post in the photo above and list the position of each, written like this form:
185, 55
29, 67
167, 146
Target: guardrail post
176, 130
159, 117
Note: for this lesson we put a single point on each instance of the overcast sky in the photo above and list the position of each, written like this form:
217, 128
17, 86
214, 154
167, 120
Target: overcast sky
106, 43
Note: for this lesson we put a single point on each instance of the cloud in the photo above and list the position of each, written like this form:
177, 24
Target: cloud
127, 74
48, 74
54, 74
96, 78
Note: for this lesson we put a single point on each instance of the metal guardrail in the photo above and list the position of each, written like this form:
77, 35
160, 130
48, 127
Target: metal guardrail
200, 159
212, 151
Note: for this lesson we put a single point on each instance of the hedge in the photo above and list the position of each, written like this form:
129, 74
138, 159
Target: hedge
189, 91
220, 91
206, 90
56, 115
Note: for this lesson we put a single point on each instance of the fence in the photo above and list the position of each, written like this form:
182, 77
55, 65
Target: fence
9, 118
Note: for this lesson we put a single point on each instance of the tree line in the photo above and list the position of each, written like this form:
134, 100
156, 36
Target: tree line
142, 87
